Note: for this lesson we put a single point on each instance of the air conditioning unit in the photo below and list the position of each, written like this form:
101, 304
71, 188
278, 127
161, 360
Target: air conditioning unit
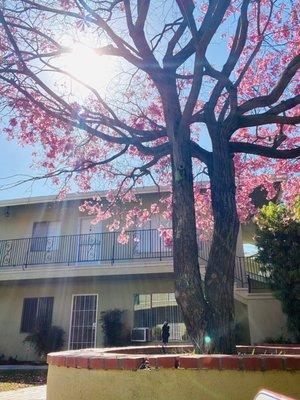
140, 335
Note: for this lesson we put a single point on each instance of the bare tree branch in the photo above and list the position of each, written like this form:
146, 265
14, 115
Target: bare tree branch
259, 150
212, 19
267, 100
271, 116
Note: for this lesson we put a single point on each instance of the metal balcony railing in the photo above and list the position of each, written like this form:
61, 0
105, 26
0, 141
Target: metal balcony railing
257, 280
84, 248
104, 247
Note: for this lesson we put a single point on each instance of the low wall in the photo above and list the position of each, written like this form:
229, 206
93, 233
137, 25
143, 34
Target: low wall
291, 349
112, 374
264, 315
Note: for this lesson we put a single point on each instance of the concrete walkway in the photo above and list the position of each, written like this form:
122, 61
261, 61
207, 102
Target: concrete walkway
31, 393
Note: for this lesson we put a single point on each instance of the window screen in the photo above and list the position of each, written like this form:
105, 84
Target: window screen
37, 312
29, 315
45, 236
39, 236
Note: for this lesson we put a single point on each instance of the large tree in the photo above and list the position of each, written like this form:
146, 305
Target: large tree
186, 70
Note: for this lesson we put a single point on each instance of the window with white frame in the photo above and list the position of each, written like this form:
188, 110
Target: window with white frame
45, 236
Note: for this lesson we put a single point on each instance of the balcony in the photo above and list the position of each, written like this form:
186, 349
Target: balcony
85, 248
103, 248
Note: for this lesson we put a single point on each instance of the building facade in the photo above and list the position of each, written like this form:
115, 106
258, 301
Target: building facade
56, 267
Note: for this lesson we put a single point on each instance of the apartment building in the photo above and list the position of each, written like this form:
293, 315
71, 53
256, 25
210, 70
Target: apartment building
58, 267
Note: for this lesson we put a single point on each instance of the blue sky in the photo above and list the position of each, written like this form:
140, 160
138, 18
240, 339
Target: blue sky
16, 160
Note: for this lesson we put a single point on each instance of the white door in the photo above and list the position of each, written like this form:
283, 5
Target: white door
90, 241
54, 228
158, 244
148, 239
142, 239
83, 321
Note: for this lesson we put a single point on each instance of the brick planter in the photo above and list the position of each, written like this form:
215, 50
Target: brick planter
252, 358
101, 373
270, 349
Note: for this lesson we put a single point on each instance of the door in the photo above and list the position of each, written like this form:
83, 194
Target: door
53, 235
53, 242
90, 240
83, 321
148, 239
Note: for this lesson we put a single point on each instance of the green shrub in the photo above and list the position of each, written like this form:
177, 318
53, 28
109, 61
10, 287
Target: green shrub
115, 332
278, 340
156, 333
278, 241
46, 339
240, 333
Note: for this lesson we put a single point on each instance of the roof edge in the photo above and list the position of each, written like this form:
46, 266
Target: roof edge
74, 196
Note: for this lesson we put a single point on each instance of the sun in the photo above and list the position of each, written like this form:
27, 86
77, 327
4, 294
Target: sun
84, 64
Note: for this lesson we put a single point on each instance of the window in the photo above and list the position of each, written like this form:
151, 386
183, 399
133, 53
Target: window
45, 236
37, 311
151, 310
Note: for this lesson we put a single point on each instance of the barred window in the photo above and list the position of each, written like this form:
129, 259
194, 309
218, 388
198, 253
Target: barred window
151, 310
37, 312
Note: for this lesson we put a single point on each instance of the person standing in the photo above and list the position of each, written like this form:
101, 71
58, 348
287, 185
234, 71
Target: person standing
165, 333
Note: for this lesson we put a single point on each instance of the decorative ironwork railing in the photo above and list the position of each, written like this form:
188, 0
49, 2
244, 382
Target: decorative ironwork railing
104, 247
93, 247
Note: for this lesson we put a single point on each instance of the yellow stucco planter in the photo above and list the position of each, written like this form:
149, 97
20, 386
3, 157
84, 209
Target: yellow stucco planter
97, 374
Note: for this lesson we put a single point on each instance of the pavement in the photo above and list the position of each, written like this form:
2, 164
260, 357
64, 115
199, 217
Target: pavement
30, 393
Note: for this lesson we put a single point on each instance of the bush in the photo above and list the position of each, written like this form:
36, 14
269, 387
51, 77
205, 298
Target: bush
240, 333
278, 238
46, 339
278, 340
185, 336
112, 324
156, 333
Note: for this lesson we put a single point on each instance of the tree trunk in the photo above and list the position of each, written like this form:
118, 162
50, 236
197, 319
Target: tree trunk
188, 286
219, 278
209, 311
